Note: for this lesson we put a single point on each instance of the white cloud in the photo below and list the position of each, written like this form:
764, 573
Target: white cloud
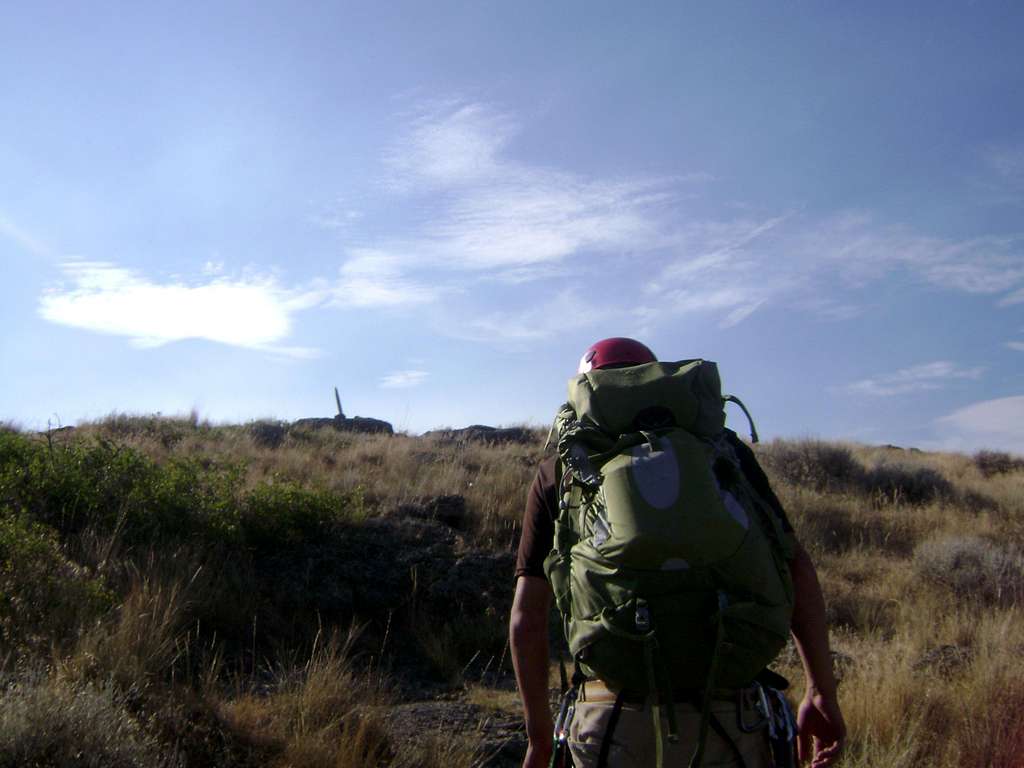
859, 251
1016, 345
991, 424
734, 267
485, 212
495, 213
252, 313
723, 268
529, 274
404, 379
918, 378
374, 278
449, 144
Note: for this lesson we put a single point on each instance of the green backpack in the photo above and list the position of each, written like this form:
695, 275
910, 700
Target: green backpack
669, 570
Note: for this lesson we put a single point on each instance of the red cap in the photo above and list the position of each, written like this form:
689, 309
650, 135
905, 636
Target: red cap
617, 351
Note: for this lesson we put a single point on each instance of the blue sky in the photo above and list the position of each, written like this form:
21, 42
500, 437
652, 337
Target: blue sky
438, 206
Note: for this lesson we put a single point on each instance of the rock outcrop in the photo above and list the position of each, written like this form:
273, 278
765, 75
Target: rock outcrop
485, 434
362, 424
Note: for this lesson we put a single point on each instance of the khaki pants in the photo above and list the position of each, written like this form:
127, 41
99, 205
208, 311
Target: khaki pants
633, 744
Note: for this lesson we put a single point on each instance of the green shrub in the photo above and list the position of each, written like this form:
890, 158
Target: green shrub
43, 595
112, 489
71, 486
286, 515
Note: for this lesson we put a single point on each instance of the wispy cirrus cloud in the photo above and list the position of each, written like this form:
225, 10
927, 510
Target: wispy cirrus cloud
404, 379
250, 312
734, 267
721, 268
487, 215
449, 143
861, 251
918, 378
490, 212
375, 278
1002, 179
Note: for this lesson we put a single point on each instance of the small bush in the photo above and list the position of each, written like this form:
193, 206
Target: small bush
43, 595
899, 484
166, 430
992, 463
837, 527
285, 515
45, 723
972, 568
811, 463
832, 468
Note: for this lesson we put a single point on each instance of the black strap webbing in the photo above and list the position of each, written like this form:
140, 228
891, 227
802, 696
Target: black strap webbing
613, 721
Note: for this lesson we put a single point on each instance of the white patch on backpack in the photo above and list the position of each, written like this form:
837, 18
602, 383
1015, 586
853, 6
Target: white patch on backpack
656, 474
735, 509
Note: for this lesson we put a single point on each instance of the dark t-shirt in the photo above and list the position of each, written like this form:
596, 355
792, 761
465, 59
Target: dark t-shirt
542, 508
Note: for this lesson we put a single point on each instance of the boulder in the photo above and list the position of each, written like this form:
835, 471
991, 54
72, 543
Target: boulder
484, 434
363, 424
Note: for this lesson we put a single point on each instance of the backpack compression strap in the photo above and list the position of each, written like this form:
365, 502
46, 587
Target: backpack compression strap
705, 710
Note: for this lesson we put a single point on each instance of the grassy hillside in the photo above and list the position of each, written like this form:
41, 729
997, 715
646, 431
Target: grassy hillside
177, 594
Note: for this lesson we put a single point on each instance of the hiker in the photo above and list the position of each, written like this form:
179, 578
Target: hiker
603, 722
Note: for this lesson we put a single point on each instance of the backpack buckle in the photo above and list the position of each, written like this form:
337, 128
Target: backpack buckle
642, 617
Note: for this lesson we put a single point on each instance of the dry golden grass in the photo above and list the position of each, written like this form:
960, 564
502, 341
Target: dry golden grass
330, 712
924, 593
919, 554
323, 712
496, 699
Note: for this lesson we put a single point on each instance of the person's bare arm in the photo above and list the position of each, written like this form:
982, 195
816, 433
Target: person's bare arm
822, 730
528, 638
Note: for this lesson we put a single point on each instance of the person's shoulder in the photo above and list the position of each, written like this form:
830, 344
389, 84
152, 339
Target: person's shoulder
546, 470
737, 442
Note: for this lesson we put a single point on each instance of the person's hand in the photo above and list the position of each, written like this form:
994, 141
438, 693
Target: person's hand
822, 730
537, 755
